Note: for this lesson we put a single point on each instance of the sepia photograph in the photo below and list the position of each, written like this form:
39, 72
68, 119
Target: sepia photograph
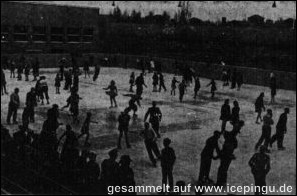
148, 97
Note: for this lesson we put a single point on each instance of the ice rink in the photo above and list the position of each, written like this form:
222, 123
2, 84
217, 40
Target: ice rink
187, 124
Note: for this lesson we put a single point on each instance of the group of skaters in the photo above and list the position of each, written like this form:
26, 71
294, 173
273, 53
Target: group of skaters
70, 158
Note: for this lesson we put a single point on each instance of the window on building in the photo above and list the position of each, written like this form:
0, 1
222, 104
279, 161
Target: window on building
88, 34
73, 34
39, 33
57, 34
4, 33
20, 33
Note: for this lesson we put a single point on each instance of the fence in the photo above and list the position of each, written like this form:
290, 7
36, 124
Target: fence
286, 80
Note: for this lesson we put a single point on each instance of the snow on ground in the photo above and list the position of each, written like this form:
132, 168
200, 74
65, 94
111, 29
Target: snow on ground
188, 124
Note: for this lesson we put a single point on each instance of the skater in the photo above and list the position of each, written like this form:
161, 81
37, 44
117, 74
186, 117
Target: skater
235, 112
281, 130
173, 85
266, 130
12, 68
155, 117
96, 72
85, 129
207, 156
132, 82
35, 68
75, 86
58, 83
3, 83
272, 87
13, 106
259, 105
123, 128
87, 69
182, 87
68, 79
27, 71
239, 80
132, 103
43, 89
260, 165
139, 85
113, 92
226, 154
213, 87
155, 81
31, 103
21, 66
73, 102
234, 79
126, 174
110, 170
225, 78
62, 65
162, 82
225, 114
167, 162
196, 87
150, 138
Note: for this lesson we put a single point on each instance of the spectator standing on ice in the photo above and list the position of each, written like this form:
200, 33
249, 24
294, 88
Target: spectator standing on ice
225, 114
13, 106
168, 158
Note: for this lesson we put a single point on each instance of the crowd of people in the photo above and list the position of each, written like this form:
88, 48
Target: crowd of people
65, 160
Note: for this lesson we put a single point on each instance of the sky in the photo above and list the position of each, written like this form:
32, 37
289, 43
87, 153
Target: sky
205, 10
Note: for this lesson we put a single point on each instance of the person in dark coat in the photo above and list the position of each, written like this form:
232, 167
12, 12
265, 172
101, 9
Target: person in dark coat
155, 117
58, 83
168, 158
132, 103
235, 112
132, 82
13, 106
86, 69
226, 155
126, 174
92, 170
162, 82
207, 156
110, 170
62, 66
96, 72
31, 103
196, 87
124, 119
68, 79
85, 129
272, 88
43, 86
113, 92
3, 83
155, 81
182, 87
150, 138
35, 68
21, 66
225, 114
260, 166
12, 68
26, 116
266, 130
27, 69
239, 80
259, 106
281, 130
73, 102
173, 85
213, 87
139, 85
233, 79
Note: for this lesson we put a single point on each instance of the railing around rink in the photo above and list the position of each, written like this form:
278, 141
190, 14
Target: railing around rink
30, 179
